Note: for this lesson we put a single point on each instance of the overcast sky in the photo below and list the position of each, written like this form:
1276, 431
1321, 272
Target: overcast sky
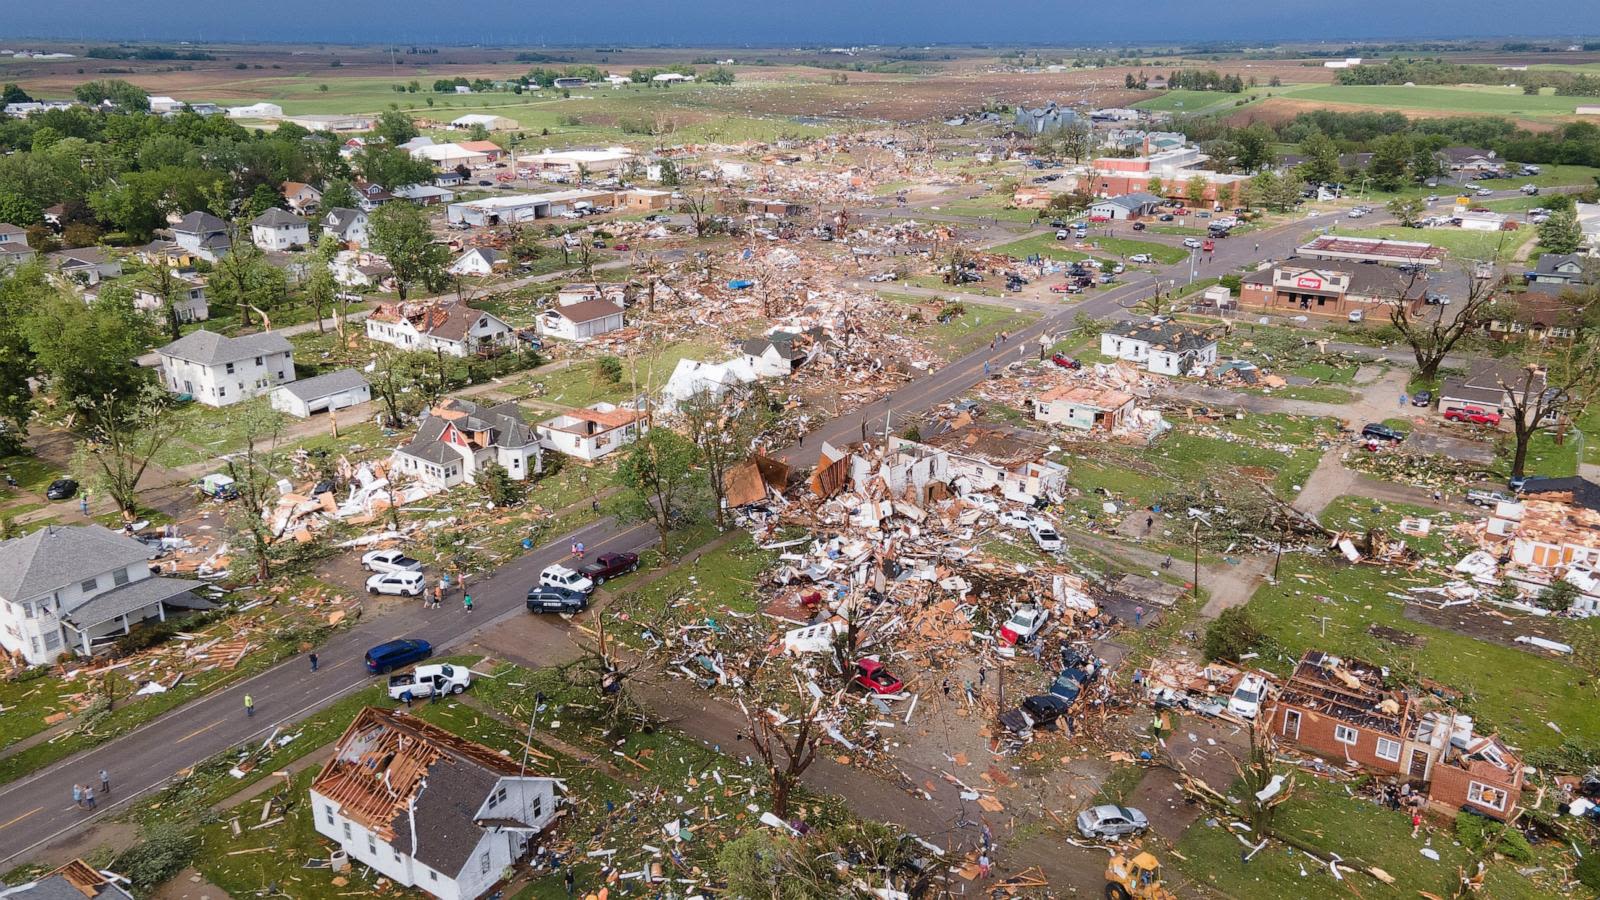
789, 22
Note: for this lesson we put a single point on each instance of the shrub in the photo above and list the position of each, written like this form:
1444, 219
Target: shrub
1587, 871
608, 369
1232, 635
1475, 832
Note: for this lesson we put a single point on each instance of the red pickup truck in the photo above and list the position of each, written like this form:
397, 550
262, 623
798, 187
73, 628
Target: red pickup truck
609, 565
1477, 415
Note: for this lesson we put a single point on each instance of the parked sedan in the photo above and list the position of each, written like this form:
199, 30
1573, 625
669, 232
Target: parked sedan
1192, 243
1142, 258
1111, 822
1015, 518
1037, 711
61, 489
543, 598
1379, 431
1476, 415
1422, 398
389, 561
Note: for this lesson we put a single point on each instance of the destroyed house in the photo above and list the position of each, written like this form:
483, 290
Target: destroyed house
458, 438
77, 880
1083, 407
906, 470
427, 809
1160, 345
447, 325
778, 354
72, 588
1341, 710
1552, 534
985, 457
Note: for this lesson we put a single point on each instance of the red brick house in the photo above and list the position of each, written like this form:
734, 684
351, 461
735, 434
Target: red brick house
1342, 709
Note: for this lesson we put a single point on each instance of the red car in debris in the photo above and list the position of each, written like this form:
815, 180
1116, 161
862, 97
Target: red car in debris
1061, 288
1065, 362
1477, 415
871, 675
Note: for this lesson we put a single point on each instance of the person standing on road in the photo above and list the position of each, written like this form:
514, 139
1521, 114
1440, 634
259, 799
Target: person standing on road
105, 782
77, 795
438, 594
249, 706
466, 602
313, 662
88, 797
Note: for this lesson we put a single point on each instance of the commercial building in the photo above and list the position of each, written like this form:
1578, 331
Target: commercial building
490, 122
569, 162
1171, 171
1304, 286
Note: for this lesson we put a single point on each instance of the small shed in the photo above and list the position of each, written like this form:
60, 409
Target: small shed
324, 393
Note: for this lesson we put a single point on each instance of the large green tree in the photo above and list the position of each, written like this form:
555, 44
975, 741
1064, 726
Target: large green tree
657, 474
1321, 164
245, 280
400, 232
395, 127
391, 166
1561, 233
87, 352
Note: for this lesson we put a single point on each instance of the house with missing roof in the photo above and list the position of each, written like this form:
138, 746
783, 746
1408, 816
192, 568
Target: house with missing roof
780, 353
450, 326
981, 457
458, 438
68, 588
1161, 346
428, 809
1084, 407
77, 880
1345, 711
592, 432
221, 371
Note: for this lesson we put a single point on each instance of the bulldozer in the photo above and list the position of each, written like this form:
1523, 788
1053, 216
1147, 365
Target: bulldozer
1138, 878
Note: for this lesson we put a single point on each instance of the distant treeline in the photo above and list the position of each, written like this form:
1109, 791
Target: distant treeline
1439, 71
156, 53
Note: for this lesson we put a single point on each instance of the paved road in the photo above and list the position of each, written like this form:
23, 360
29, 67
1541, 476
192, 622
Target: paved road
37, 810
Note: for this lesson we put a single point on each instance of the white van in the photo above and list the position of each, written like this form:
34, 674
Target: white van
562, 577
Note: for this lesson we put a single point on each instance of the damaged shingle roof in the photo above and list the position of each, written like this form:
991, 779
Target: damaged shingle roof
1164, 335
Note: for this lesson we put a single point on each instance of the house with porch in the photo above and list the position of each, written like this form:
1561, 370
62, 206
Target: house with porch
427, 809
302, 198
458, 438
67, 589
593, 432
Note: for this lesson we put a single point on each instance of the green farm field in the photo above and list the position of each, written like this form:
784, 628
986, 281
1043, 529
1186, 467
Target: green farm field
1465, 99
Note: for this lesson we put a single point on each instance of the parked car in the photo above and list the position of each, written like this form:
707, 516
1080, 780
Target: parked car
1014, 518
394, 654
544, 598
621, 248
217, 486
1142, 258
427, 681
1065, 362
1480, 497
1035, 712
1483, 192
1356, 213
396, 584
1111, 821
1382, 432
1024, 623
1423, 399
872, 675
1247, 697
1357, 316
389, 561
562, 577
1434, 298
1044, 534
1192, 243
1477, 415
881, 277
1208, 245
1138, 226
1062, 288
61, 489
1166, 217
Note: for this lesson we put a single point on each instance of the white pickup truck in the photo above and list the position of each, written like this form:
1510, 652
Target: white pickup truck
425, 681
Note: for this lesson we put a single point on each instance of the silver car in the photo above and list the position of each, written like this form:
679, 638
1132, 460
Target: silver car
1110, 821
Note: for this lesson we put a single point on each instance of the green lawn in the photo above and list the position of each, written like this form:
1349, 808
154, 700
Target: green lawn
206, 432
579, 384
1354, 597
995, 205
1190, 102
1547, 458
966, 332
1360, 832
1468, 99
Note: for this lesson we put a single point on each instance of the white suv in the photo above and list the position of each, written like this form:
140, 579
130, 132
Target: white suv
403, 584
562, 577
1247, 697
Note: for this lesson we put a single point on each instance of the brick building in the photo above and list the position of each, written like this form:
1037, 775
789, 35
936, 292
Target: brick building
1303, 286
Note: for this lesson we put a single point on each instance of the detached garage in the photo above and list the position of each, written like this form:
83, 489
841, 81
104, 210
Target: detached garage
324, 393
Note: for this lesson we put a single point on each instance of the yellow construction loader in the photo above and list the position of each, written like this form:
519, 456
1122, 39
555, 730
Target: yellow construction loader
1138, 878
